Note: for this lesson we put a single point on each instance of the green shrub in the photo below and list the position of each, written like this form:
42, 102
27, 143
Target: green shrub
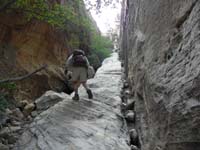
101, 46
94, 61
8, 86
3, 102
5, 94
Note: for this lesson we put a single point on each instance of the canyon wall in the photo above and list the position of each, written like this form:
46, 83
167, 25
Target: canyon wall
160, 50
26, 45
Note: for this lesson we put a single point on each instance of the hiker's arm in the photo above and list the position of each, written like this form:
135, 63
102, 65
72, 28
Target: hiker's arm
88, 63
68, 64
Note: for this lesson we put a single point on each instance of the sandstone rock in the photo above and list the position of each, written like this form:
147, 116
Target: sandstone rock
15, 123
8, 111
133, 147
49, 99
15, 53
3, 147
3, 118
125, 85
23, 103
11, 139
14, 128
16, 112
34, 113
123, 106
133, 136
130, 116
4, 133
160, 51
28, 109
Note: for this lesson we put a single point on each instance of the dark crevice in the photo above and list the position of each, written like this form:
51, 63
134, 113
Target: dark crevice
182, 19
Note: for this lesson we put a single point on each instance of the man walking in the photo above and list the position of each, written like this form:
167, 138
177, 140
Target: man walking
76, 66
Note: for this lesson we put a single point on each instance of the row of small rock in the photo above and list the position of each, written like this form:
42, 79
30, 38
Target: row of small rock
13, 122
127, 108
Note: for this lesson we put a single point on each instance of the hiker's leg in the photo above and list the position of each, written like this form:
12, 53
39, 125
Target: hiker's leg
85, 85
89, 92
76, 86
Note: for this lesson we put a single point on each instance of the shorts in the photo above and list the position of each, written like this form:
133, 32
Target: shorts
79, 74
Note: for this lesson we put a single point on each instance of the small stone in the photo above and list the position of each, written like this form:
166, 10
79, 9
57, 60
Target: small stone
123, 106
130, 116
126, 85
34, 113
12, 139
3, 119
23, 103
133, 147
49, 99
15, 123
28, 109
127, 92
16, 112
133, 135
11, 146
3, 147
4, 133
8, 111
29, 118
14, 129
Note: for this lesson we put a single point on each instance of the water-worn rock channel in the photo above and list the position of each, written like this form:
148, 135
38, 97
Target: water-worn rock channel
95, 124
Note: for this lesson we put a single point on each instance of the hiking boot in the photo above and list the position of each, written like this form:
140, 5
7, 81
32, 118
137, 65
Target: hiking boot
76, 97
90, 95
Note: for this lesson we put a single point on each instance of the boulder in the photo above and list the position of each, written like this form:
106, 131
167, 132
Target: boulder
15, 123
34, 114
133, 147
3, 118
133, 136
4, 133
23, 103
17, 113
49, 99
12, 139
3, 147
28, 109
130, 116
8, 111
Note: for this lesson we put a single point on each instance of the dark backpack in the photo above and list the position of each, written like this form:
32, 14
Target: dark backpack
79, 61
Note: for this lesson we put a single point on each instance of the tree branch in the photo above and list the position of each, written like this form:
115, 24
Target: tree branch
25, 76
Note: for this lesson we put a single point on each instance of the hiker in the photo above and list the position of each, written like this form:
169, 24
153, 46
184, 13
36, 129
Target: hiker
76, 68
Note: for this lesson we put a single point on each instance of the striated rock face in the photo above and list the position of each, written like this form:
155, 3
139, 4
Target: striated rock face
160, 43
26, 45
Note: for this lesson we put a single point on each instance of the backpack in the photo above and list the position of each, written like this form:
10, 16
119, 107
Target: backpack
79, 59
90, 72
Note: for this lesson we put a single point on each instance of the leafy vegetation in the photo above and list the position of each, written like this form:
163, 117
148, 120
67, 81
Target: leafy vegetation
68, 17
101, 46
5, 90
55, 14
3, 102
8, 86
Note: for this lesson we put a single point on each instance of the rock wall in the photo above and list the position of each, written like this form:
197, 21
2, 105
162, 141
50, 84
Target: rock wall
160, 48
26, 45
